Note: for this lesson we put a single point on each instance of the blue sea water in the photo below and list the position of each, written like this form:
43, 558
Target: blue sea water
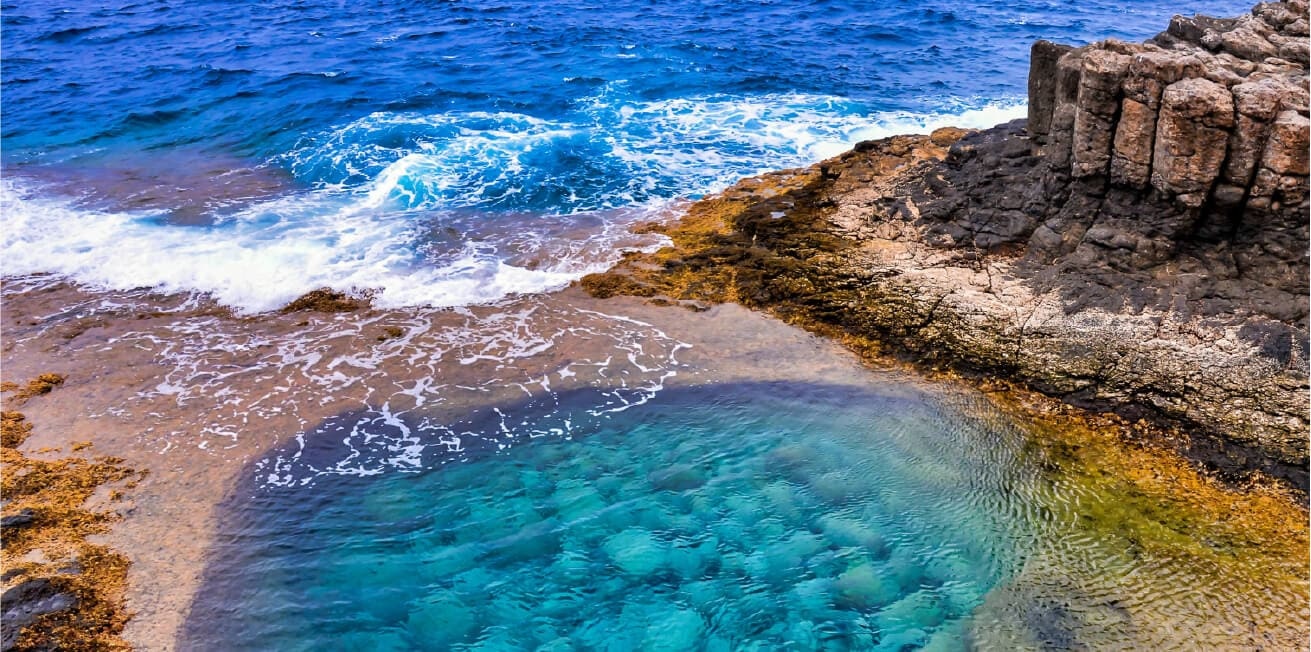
455, 152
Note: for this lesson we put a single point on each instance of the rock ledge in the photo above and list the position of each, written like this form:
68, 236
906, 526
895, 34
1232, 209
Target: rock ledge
1138, 244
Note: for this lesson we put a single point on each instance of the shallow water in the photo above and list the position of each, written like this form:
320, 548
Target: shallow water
365, 461
717, 517
526, 471
788, 515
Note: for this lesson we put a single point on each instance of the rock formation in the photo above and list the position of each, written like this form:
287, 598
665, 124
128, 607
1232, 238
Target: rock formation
1139, 243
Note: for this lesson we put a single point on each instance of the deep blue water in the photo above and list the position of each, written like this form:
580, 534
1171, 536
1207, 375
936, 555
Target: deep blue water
454, 152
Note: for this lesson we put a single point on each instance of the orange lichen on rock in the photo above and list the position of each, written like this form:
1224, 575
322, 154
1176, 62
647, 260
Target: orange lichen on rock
75, 588
41, 385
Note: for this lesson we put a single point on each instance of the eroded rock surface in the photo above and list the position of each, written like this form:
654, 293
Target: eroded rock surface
1138, 244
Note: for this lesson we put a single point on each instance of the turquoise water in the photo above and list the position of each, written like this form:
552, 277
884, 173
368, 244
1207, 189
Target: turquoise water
755, 516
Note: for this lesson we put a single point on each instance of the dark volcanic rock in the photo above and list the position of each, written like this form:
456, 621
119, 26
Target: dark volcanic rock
22, 518
1170, 187
1140, 244
24, 603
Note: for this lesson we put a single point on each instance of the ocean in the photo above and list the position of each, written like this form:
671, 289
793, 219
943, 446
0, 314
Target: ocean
450, 153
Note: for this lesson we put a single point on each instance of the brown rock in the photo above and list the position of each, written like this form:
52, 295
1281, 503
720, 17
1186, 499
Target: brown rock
1131, 160
947, 136
1292, 48
1094, 117
1246, 143
1249, 39
1275, 14
1191, 137
1199, 30
1286, 149
1257, 103
1260, 98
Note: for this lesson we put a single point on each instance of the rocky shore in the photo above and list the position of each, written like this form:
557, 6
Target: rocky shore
1137, 245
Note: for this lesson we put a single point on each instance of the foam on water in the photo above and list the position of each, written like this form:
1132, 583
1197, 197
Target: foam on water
451, 209
409, 389
268, 254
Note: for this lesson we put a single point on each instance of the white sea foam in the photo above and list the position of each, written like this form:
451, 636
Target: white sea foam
386, 188
441, 384
268, 254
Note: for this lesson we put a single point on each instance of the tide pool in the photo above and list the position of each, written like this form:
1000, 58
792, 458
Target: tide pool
753, 516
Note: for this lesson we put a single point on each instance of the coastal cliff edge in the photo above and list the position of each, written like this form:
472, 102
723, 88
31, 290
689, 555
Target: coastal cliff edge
1137, 245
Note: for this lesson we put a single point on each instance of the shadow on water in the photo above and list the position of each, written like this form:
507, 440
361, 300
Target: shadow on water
773, 513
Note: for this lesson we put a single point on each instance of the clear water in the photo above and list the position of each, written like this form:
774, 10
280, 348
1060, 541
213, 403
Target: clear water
457, 152
738, 516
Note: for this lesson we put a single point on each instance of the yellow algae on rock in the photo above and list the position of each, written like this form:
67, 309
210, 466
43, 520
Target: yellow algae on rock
69, 592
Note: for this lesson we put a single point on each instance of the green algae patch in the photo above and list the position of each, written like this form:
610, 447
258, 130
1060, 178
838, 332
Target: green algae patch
1152, 497
1225, 564
46, 556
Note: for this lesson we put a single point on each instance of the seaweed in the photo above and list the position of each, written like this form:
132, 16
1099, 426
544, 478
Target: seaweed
69, 591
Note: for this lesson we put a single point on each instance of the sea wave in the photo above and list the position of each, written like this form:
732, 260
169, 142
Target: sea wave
612, 151
268, 254
456, 208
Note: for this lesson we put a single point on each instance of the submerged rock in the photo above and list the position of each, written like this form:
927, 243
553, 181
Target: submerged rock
637, 552
680, 477
441, 620
674, 630
862, 587
26, 602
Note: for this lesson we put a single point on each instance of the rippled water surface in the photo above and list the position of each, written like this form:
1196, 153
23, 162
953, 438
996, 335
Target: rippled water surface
721, 517
734, 516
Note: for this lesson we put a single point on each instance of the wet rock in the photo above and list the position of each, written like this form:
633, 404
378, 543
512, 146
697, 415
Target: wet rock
20, 519
326, 300
26, 602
